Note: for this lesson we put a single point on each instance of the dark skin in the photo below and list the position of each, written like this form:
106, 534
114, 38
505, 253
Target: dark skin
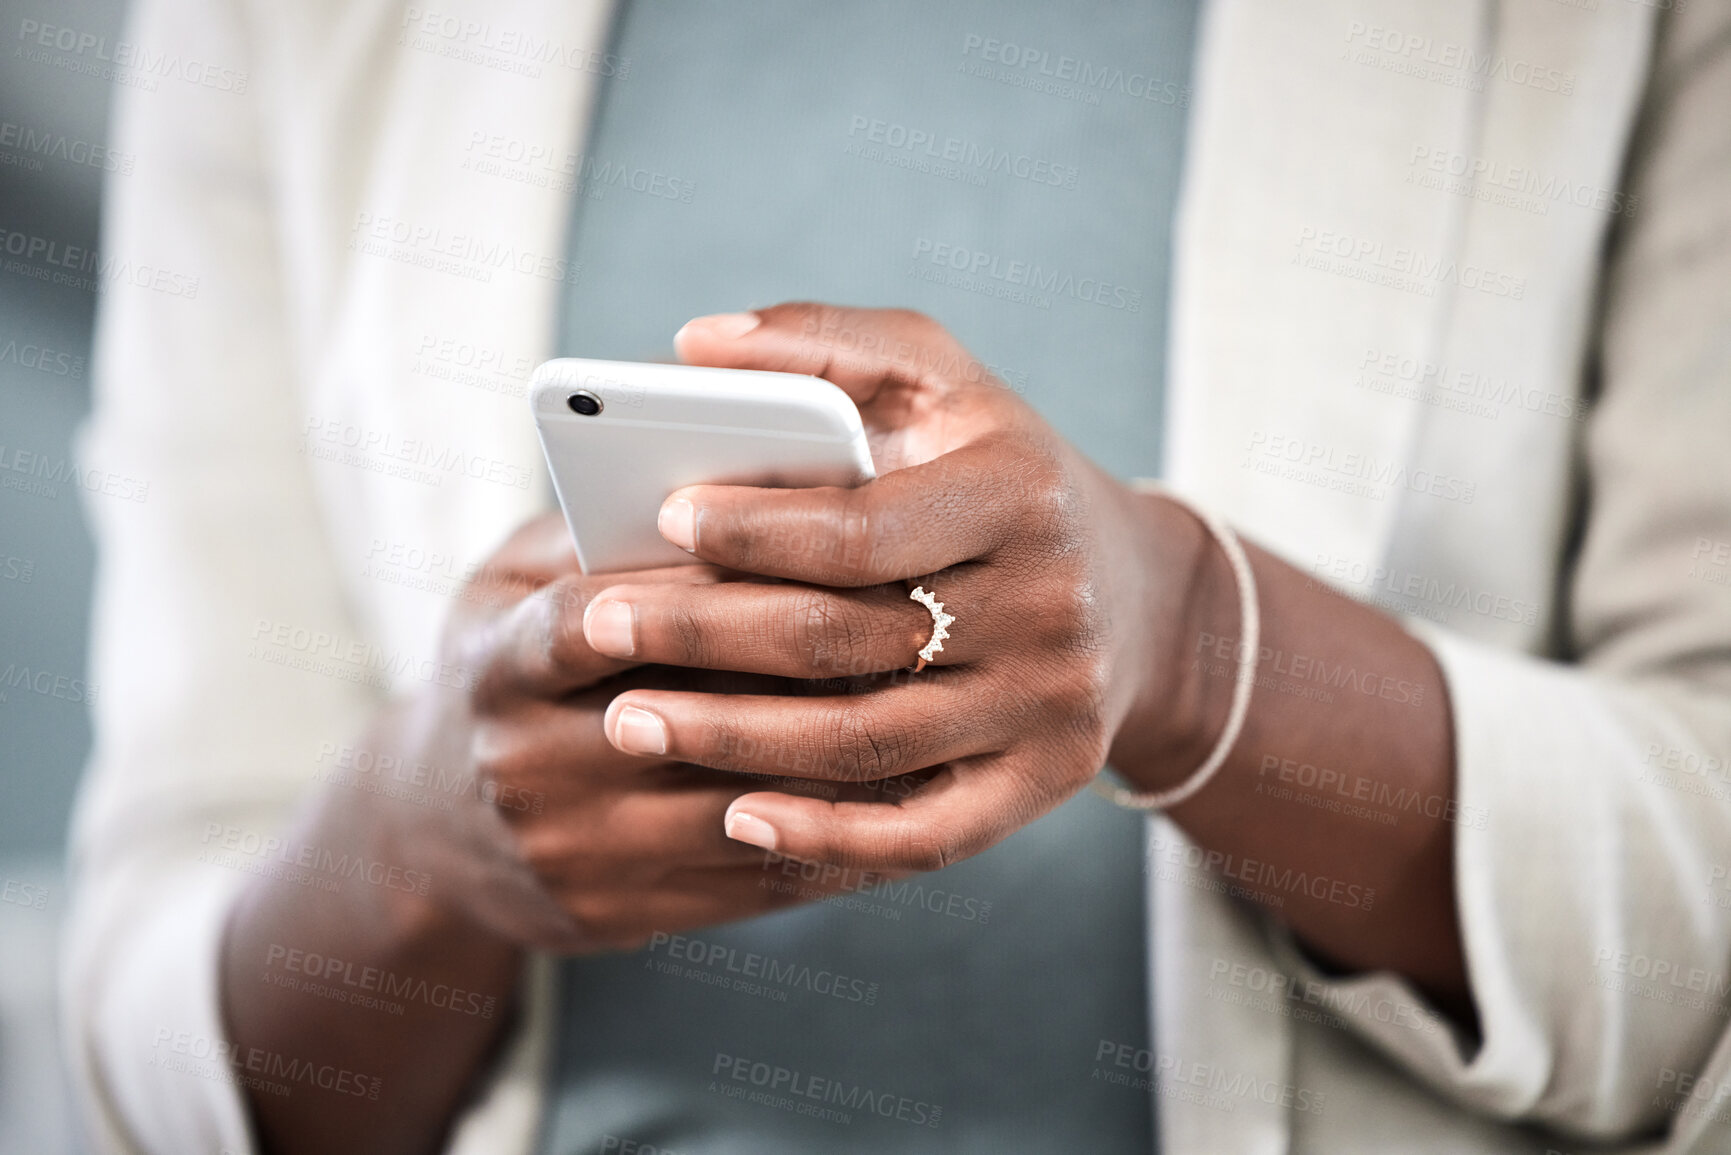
1093, 623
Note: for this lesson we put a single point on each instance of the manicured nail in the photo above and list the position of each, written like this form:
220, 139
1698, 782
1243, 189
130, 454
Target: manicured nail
611, 627
678, 524
743, 827
640, 732
726, 326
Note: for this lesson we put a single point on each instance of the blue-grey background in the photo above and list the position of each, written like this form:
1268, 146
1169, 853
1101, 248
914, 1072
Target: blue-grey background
43, 740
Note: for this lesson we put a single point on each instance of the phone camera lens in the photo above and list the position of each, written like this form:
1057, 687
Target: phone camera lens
584, 402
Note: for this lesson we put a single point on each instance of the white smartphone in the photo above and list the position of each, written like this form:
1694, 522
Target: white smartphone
620, 436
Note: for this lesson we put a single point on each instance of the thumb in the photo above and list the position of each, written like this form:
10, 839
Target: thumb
864, 351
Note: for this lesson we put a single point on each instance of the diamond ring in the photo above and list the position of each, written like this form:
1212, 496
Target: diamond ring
940, 624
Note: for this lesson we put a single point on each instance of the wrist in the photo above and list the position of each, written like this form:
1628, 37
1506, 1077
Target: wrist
1188, 620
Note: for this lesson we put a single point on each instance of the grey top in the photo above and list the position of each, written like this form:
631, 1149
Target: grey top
1010, 169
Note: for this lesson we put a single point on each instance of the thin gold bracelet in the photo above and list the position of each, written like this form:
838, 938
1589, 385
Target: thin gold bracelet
1248, 652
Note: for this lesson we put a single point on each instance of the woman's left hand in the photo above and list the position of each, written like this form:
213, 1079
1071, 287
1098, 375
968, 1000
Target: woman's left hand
1068, 592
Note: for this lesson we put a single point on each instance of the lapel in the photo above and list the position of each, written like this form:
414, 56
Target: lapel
444, 291
1292, 209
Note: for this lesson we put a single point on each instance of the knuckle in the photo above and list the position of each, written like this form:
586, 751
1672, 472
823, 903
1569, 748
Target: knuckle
1084, 708
545, 850
861, 748
597, 915
494, 754
1049, 493
830, 635
559, 638
685, 633
730, 537
916, 326
931, 849
479, 650
860, 536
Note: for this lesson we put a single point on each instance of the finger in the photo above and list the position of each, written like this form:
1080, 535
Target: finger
867, 352
905, 524
559, 750
967, 808
669, 817
845, 738
794, 631
537, 648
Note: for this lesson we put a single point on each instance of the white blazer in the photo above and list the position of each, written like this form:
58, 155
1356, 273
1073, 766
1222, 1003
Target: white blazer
1378, 370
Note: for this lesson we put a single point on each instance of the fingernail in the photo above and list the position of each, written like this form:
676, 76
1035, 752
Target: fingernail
743, 827
726, 326
611, 627
678, 524
640, 732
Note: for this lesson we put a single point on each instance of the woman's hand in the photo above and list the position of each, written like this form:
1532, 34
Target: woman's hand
536, 832
603, 847
1090, 620
1040, 556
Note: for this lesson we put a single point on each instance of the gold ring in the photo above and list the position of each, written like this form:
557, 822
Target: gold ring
940, 624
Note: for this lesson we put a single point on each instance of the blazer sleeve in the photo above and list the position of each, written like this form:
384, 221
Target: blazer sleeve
1595, 897
202, 744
